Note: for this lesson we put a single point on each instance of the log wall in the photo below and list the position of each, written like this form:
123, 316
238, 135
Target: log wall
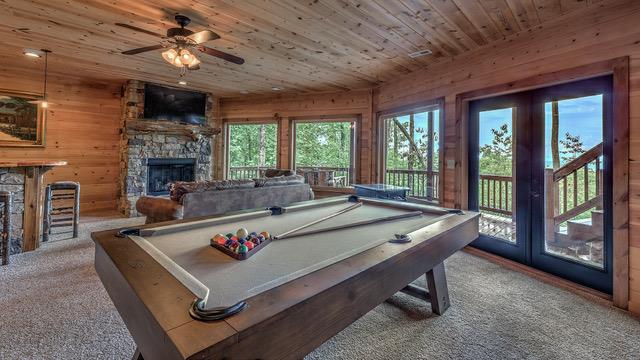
83, 125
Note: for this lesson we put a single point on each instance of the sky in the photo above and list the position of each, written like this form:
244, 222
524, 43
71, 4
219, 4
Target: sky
580, 116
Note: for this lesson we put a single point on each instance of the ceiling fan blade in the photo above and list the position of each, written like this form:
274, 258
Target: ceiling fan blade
142, 49
222, 55
135, 28
203, 36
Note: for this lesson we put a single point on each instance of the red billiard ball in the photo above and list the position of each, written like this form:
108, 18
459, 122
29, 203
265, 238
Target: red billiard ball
249, 245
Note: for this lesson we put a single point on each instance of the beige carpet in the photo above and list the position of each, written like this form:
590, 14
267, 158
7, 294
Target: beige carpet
53, 306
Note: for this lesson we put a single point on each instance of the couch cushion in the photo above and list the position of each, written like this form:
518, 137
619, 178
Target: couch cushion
279, 180
181, 188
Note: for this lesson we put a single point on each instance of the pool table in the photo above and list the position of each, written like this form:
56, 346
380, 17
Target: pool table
329, 262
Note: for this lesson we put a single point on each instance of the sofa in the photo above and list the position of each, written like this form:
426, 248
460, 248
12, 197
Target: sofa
204, 198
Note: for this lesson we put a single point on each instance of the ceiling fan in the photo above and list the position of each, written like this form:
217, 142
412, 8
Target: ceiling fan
180, 43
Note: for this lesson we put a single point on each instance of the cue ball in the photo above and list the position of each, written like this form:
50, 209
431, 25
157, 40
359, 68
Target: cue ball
242, 233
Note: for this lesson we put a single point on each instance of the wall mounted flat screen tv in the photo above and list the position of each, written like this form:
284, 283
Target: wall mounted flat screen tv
167, 104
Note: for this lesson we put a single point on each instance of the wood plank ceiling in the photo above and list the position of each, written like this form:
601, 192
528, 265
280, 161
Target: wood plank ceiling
297, 45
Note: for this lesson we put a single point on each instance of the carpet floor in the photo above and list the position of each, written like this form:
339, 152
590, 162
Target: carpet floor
53, 306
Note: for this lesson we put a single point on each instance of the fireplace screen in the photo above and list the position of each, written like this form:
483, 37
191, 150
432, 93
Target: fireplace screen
162, 172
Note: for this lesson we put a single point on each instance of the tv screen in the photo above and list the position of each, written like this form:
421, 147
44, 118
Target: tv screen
163, 103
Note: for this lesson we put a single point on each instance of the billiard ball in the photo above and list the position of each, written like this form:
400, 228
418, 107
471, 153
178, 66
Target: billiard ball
234, 238
253, 234
228, 243
229, 235
242, 233
242, 241
249, 245
242, 249
221, 241
219, 236
265, 234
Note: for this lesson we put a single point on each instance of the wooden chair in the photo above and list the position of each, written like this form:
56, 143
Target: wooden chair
59, 211
5, 235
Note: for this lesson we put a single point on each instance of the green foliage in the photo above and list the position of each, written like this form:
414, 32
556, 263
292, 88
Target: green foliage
573, 147
323, 144
496, 158
400, 153
245, 145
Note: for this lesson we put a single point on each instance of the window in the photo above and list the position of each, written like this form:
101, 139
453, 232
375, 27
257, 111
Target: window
252, 148
411, 151
324, 152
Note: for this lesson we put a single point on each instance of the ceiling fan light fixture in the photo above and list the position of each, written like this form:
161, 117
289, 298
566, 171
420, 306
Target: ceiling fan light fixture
169, 55
194, 62
186, 57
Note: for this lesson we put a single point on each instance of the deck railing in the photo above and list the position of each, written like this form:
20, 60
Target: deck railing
247, 172
335, 176
496, 194
421, 183
573, 189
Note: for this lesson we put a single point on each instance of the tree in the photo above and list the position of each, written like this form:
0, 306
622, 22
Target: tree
572, 147
496, 157
555, 120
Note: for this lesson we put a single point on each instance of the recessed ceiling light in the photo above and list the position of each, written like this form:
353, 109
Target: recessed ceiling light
275, 88
244, 92
420, 53
33, 53
182, 82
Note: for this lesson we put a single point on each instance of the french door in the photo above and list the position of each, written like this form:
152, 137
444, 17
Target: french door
540, 175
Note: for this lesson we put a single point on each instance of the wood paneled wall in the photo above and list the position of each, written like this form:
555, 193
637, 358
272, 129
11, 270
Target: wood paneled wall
286, 108
605, 32
82, 128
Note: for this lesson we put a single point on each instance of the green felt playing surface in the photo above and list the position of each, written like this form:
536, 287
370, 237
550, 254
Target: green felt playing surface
185, 251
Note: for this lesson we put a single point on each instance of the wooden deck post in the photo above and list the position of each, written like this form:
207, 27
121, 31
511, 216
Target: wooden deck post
550, 209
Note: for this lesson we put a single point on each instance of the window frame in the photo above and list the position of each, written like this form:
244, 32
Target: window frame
381, 148
246, 121
355, 141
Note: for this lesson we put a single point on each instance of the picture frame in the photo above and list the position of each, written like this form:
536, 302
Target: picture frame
22, 119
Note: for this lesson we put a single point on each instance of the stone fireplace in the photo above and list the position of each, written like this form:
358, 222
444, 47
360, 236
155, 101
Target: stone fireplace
181, 152
162, 172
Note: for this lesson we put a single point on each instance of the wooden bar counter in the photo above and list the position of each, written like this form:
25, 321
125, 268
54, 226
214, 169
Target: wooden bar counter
33, 171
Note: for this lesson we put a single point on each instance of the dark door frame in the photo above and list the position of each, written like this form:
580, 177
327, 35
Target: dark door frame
619, 68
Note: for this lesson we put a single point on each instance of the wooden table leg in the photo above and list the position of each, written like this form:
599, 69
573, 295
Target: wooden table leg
438, 291
32, 208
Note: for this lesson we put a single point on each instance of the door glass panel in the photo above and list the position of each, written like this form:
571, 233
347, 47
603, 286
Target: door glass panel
496, 194
573, 196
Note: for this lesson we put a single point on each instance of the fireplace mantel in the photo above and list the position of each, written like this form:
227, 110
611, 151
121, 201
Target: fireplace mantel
136, 126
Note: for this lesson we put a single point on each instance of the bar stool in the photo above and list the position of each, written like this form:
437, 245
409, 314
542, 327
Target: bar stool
58, 211
5, 235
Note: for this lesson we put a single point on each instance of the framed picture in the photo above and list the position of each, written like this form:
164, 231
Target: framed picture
22, 119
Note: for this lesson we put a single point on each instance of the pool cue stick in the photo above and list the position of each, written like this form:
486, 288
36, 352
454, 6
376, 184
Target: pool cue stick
356, 205
359, 223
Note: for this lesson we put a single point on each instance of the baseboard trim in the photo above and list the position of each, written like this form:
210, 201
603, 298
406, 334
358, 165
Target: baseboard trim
565, 284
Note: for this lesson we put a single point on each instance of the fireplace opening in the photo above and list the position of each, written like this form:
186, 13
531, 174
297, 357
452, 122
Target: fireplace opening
162, 172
